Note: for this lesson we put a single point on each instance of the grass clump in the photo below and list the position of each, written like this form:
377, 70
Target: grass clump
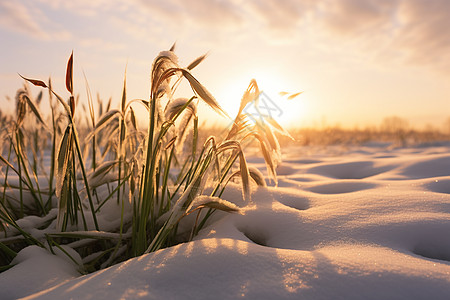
113, 190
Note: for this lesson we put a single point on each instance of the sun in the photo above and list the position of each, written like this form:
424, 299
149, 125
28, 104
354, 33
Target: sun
279, 98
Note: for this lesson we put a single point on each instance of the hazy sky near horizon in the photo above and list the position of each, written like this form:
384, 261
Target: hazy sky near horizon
357, 61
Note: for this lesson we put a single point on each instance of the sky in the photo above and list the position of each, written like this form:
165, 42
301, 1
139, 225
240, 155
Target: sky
356, 61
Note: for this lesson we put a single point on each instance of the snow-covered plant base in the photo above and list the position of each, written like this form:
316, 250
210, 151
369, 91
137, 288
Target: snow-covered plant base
370, 223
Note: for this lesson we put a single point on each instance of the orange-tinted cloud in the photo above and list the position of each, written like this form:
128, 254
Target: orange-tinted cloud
405, 31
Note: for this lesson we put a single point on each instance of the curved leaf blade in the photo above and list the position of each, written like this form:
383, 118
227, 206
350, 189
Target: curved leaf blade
35, 82
69, 74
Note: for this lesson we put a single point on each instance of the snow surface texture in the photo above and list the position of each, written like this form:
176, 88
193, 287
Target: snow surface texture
369, 223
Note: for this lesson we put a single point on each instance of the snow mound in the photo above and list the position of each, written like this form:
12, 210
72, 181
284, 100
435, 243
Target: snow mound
369, 223
233, 269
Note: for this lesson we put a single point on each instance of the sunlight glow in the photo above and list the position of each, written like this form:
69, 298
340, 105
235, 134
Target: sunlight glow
285, 111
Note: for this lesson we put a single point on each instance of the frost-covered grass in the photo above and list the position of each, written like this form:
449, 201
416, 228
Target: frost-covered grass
95, 207
96, 188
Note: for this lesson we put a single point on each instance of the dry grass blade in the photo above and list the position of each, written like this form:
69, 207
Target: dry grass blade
64, 194
245, 176
181, 207
278, 127
257, 176
222, 205
173, 47
145, 103
35, 82
72, 106
162, 76
203, 93
108, 105
69, 74
215, 203
176, 106
267, 133
267, 158
124, 92
103, 174
273, 143
294, 95
42, 84
39, 98
196, 62
164, 61
65, 150
104, 120
103, 169
21, 106
250, 95
90, 102
133, 118
193, 190
170, 143
243, 168
6, 162
64, 104
240, 125
35, 111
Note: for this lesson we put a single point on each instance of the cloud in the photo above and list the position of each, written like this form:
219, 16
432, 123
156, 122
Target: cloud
29, 20
279, 16
405, 31
424, 33
386, 31
356, 17
215, 14
15, 16
84, 7
412, 32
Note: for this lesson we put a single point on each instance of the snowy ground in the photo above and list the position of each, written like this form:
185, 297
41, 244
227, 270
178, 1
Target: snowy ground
364, 223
